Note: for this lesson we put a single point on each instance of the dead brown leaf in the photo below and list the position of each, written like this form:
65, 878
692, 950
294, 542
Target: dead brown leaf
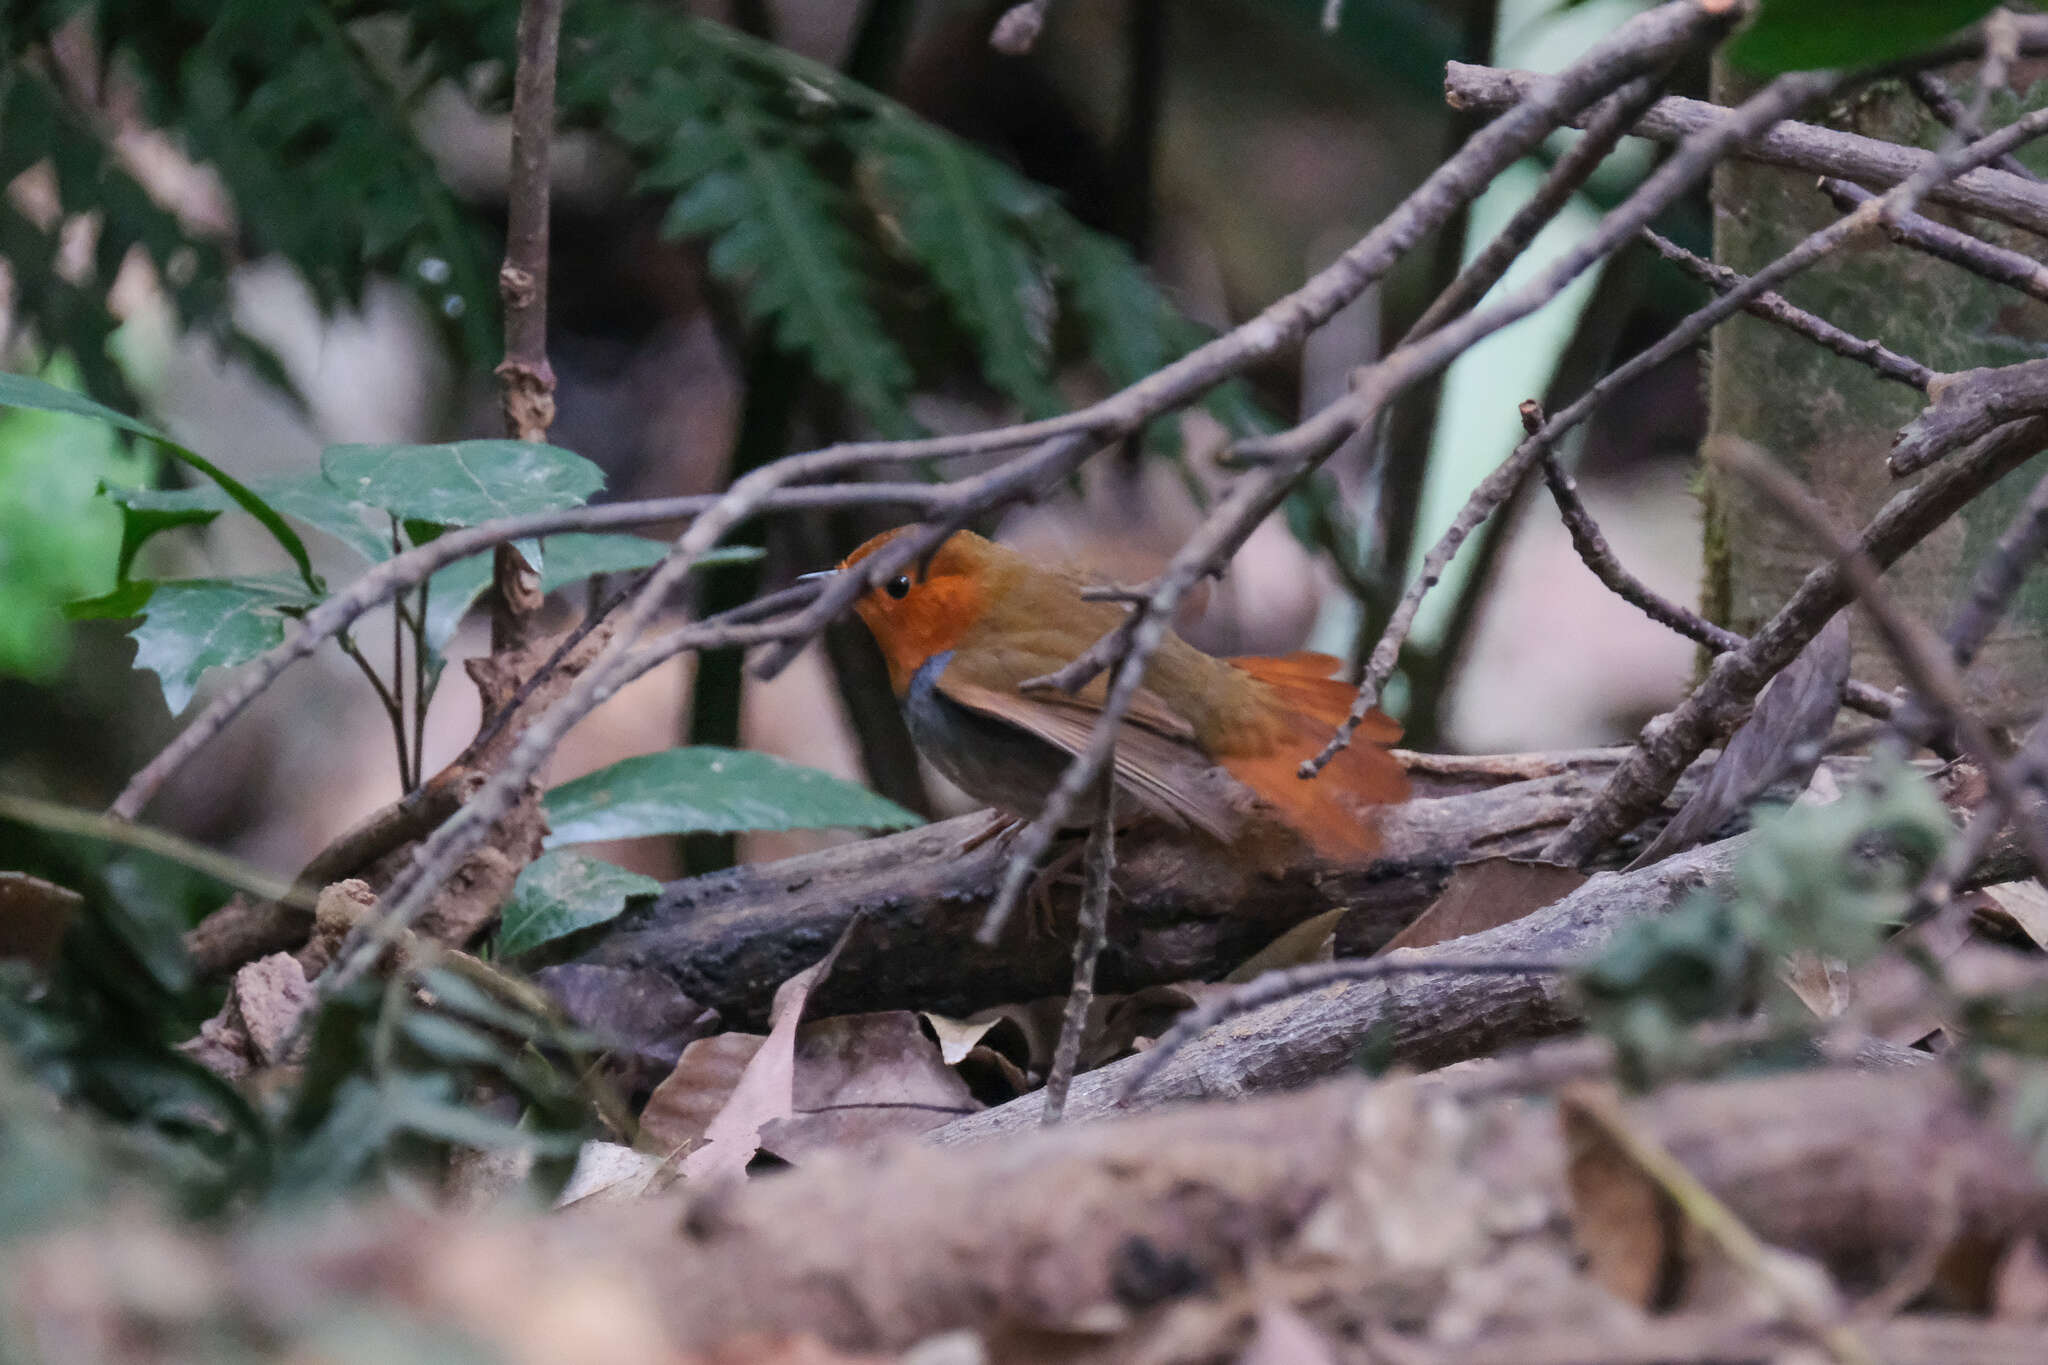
863, 1077
991, 1077
766, 1089
33, 916
1132, 1022
1823, 984
957, 1037
2024, 905
684, 1104
259, 1020
1485, 894
1312, 940
1630, 1230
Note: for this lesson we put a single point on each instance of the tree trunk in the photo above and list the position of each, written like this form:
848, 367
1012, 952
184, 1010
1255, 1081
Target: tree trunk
1831, 420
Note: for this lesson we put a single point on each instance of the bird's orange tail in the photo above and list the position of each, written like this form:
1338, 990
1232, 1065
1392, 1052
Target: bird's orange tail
1333, 811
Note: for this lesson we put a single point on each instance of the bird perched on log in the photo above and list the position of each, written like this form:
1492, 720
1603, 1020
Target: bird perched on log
1209, 744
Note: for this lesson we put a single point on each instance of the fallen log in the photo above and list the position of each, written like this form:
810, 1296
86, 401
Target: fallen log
1387, 1211
1074, 1225
1184, 909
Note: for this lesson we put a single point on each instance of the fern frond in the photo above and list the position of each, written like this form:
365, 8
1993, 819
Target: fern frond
778, 233
958, 212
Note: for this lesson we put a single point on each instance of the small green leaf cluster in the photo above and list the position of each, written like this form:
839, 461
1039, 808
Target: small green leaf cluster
1823, 880
191, 626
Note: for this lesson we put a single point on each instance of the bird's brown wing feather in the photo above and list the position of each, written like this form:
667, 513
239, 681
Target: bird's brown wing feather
1157, 760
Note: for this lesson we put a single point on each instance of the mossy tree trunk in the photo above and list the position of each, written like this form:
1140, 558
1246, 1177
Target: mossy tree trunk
1832, 420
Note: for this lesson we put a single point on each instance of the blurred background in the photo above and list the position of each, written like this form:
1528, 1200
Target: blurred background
1231, 146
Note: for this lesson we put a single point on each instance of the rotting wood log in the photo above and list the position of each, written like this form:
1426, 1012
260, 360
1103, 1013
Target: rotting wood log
873, 1252
1092, 1225
1183, 909
1424, 1021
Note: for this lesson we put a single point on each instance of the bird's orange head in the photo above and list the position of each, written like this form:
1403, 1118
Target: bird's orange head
916, 614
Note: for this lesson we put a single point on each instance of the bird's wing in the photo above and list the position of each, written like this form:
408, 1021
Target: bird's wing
1157, 760
1335, 811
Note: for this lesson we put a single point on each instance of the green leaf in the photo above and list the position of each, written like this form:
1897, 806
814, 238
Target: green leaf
147, 511
578, 555
25, 391
1799, 35
454, 589
559, 893
310, 498
58, 541
711, 790
462, 483
196, 624
123, 602
955, 210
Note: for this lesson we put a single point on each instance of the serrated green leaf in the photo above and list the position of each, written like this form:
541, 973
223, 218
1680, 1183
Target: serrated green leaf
776, 231
711, 790
1799, 35
559, 893
25, 391
464, 482
950, 206
196, 624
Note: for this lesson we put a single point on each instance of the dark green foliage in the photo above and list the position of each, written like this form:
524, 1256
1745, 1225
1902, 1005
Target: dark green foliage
1827, 881
1797, 35
888, 255
389, 1086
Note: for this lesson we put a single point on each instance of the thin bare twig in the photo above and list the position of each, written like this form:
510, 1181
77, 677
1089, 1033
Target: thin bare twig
1497, 487
1927, 664
1599, 557
1292, 981
1998, 264
1802, 146
526, 380
1611, 118
1999, 576
1671, 741
1090, 934
1773, 307
1933, 92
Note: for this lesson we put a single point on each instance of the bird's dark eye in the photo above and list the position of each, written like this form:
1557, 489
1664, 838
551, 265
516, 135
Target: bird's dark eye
898, 587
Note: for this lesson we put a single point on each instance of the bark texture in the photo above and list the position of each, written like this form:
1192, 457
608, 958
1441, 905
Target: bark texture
1832, 421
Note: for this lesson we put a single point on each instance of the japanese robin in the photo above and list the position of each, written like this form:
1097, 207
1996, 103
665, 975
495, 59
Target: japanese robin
1209, 744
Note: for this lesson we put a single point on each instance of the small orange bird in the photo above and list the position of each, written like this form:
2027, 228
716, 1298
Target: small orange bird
1209, 744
